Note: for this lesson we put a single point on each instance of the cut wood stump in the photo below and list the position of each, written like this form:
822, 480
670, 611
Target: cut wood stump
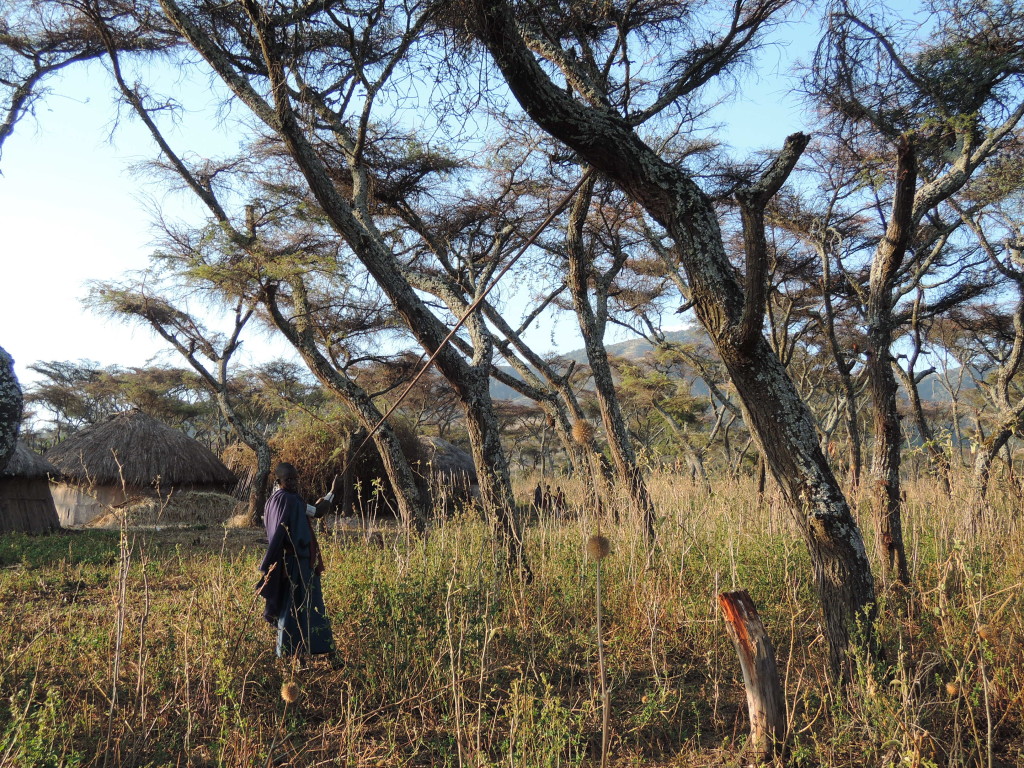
765, 702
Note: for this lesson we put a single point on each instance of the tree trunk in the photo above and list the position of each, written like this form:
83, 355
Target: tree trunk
492, 465
258, 488
987, 452
773, 410
785, 432
592, 324
765, 702
885, 464
10, 408
355, 439
853, 433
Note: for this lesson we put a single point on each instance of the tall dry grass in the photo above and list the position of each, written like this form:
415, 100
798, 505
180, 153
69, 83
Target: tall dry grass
147, 648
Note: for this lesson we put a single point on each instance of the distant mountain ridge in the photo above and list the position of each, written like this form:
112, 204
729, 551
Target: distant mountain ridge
631, 349
931, 388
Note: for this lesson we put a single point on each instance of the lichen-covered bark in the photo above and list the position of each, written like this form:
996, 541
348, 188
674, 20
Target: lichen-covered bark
777, 417
10, 408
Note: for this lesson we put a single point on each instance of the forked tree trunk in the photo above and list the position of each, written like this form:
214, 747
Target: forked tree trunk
777, 417
765, 702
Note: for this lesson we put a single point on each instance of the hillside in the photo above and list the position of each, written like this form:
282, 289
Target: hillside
931, 387
631, 349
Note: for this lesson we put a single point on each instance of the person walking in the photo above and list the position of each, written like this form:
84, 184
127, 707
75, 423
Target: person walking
291, 569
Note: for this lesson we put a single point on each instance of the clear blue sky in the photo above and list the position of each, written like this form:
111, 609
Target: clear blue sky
71, 210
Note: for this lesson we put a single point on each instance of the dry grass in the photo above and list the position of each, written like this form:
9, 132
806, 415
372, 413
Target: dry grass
183, 508
140, 649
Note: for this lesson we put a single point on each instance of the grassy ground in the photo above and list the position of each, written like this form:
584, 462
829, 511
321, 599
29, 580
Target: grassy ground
147, 648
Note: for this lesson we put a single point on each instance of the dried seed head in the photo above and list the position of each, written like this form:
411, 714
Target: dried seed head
988, 632
598, 547
582, 432
953, 689
290, 692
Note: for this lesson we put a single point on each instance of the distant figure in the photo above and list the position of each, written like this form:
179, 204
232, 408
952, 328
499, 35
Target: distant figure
538, 499
560, 506
291, 569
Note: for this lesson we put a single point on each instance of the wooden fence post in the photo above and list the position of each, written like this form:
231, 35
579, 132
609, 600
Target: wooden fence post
760, 675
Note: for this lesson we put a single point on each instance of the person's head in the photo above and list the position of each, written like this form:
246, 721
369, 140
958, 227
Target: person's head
286, 476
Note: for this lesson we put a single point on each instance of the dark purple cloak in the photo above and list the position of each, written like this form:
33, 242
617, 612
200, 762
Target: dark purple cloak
287, 529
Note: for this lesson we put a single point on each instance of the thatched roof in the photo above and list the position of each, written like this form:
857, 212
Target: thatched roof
444, 458
148, 451
28, 465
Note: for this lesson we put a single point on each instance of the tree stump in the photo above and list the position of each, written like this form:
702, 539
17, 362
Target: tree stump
765, 702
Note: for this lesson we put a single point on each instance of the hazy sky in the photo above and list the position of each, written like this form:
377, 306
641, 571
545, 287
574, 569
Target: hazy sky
71, 209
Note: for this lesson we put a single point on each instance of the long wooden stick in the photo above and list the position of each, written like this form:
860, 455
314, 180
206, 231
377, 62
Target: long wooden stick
469, 310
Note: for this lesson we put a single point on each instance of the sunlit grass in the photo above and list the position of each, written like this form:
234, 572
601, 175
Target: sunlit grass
450, 661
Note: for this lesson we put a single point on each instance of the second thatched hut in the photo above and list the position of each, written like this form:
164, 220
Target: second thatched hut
127, 457
25, 501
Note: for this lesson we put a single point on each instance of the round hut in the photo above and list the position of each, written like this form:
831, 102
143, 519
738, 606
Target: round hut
448, 471
25, 501
127, 457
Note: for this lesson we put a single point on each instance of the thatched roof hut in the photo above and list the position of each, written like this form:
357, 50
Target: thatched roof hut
25, 500
447, 460
448, 471
127, 456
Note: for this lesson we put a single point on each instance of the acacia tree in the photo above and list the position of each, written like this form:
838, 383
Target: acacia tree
292, 270
191, 340
74, 394
654, 384
322, 81
1005, 349
595, 109
940, 110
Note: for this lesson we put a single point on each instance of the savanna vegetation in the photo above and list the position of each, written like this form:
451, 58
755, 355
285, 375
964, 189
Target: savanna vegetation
414, 185
144, 648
